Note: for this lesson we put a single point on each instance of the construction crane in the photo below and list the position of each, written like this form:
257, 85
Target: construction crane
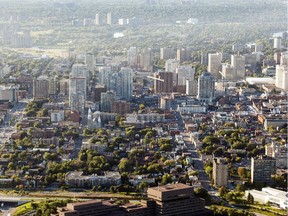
155, 78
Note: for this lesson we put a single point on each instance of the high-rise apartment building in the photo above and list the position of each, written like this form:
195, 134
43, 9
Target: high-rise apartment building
206, 87
53, 86
281, 79
80, 70
107, 98
171, 65
41, 88
183, 55
214, 64
167, 53
77, 93
163, 82
277, 43
184, 72
105, 75
146, 59
236, 70
279, 152
97, 19
97, 90
262, 168
191, 87
90, 62
109, 18
124, 83
64, 87
220, 172
176, 199
132, 56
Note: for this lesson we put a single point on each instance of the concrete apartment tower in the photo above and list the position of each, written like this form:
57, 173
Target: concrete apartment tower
132, 56
262, 168
206, 87
281, 78
220, 172
124, 83
41, 88
214, 64
109, 18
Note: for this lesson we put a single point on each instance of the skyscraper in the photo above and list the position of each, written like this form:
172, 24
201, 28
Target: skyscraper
220, 172
77, 93
132, 56
80, 70
206, 87
281, 79
109, 18
214, 64
277, 43
183, 55
238, 65
184, 72
171, 65
90, 62
124, 83
97, 19
146, 59
106, 101
105, 74
262, 168
163, 82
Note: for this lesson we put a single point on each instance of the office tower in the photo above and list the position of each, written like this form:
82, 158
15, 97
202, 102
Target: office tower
191, 87
124, 83
206, 87
97, 19
107, 98
184, 72
214, 64
77, 93
227, 72
163, 82
105, 75
176, 199
281, 79
262, 168
220, 172
109, 18
146, 59
171, 65
80, 70
277, 43
97, 90
183, 55
41, 88
132, 56
167, 53
53, 86
90, 62
204, 58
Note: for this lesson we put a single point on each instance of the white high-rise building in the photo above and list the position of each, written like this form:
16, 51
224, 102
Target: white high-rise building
132, 56
206, 87
124, 83
171, 65
184, 72
97, 19
214, 64
282, 72
238, 64
90, 62
109, 18
277, 43
77, 93
105, 75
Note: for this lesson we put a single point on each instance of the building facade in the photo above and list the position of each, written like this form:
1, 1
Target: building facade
262, 168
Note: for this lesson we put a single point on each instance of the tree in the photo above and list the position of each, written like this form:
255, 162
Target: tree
203, 193
242, 172
124, 165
